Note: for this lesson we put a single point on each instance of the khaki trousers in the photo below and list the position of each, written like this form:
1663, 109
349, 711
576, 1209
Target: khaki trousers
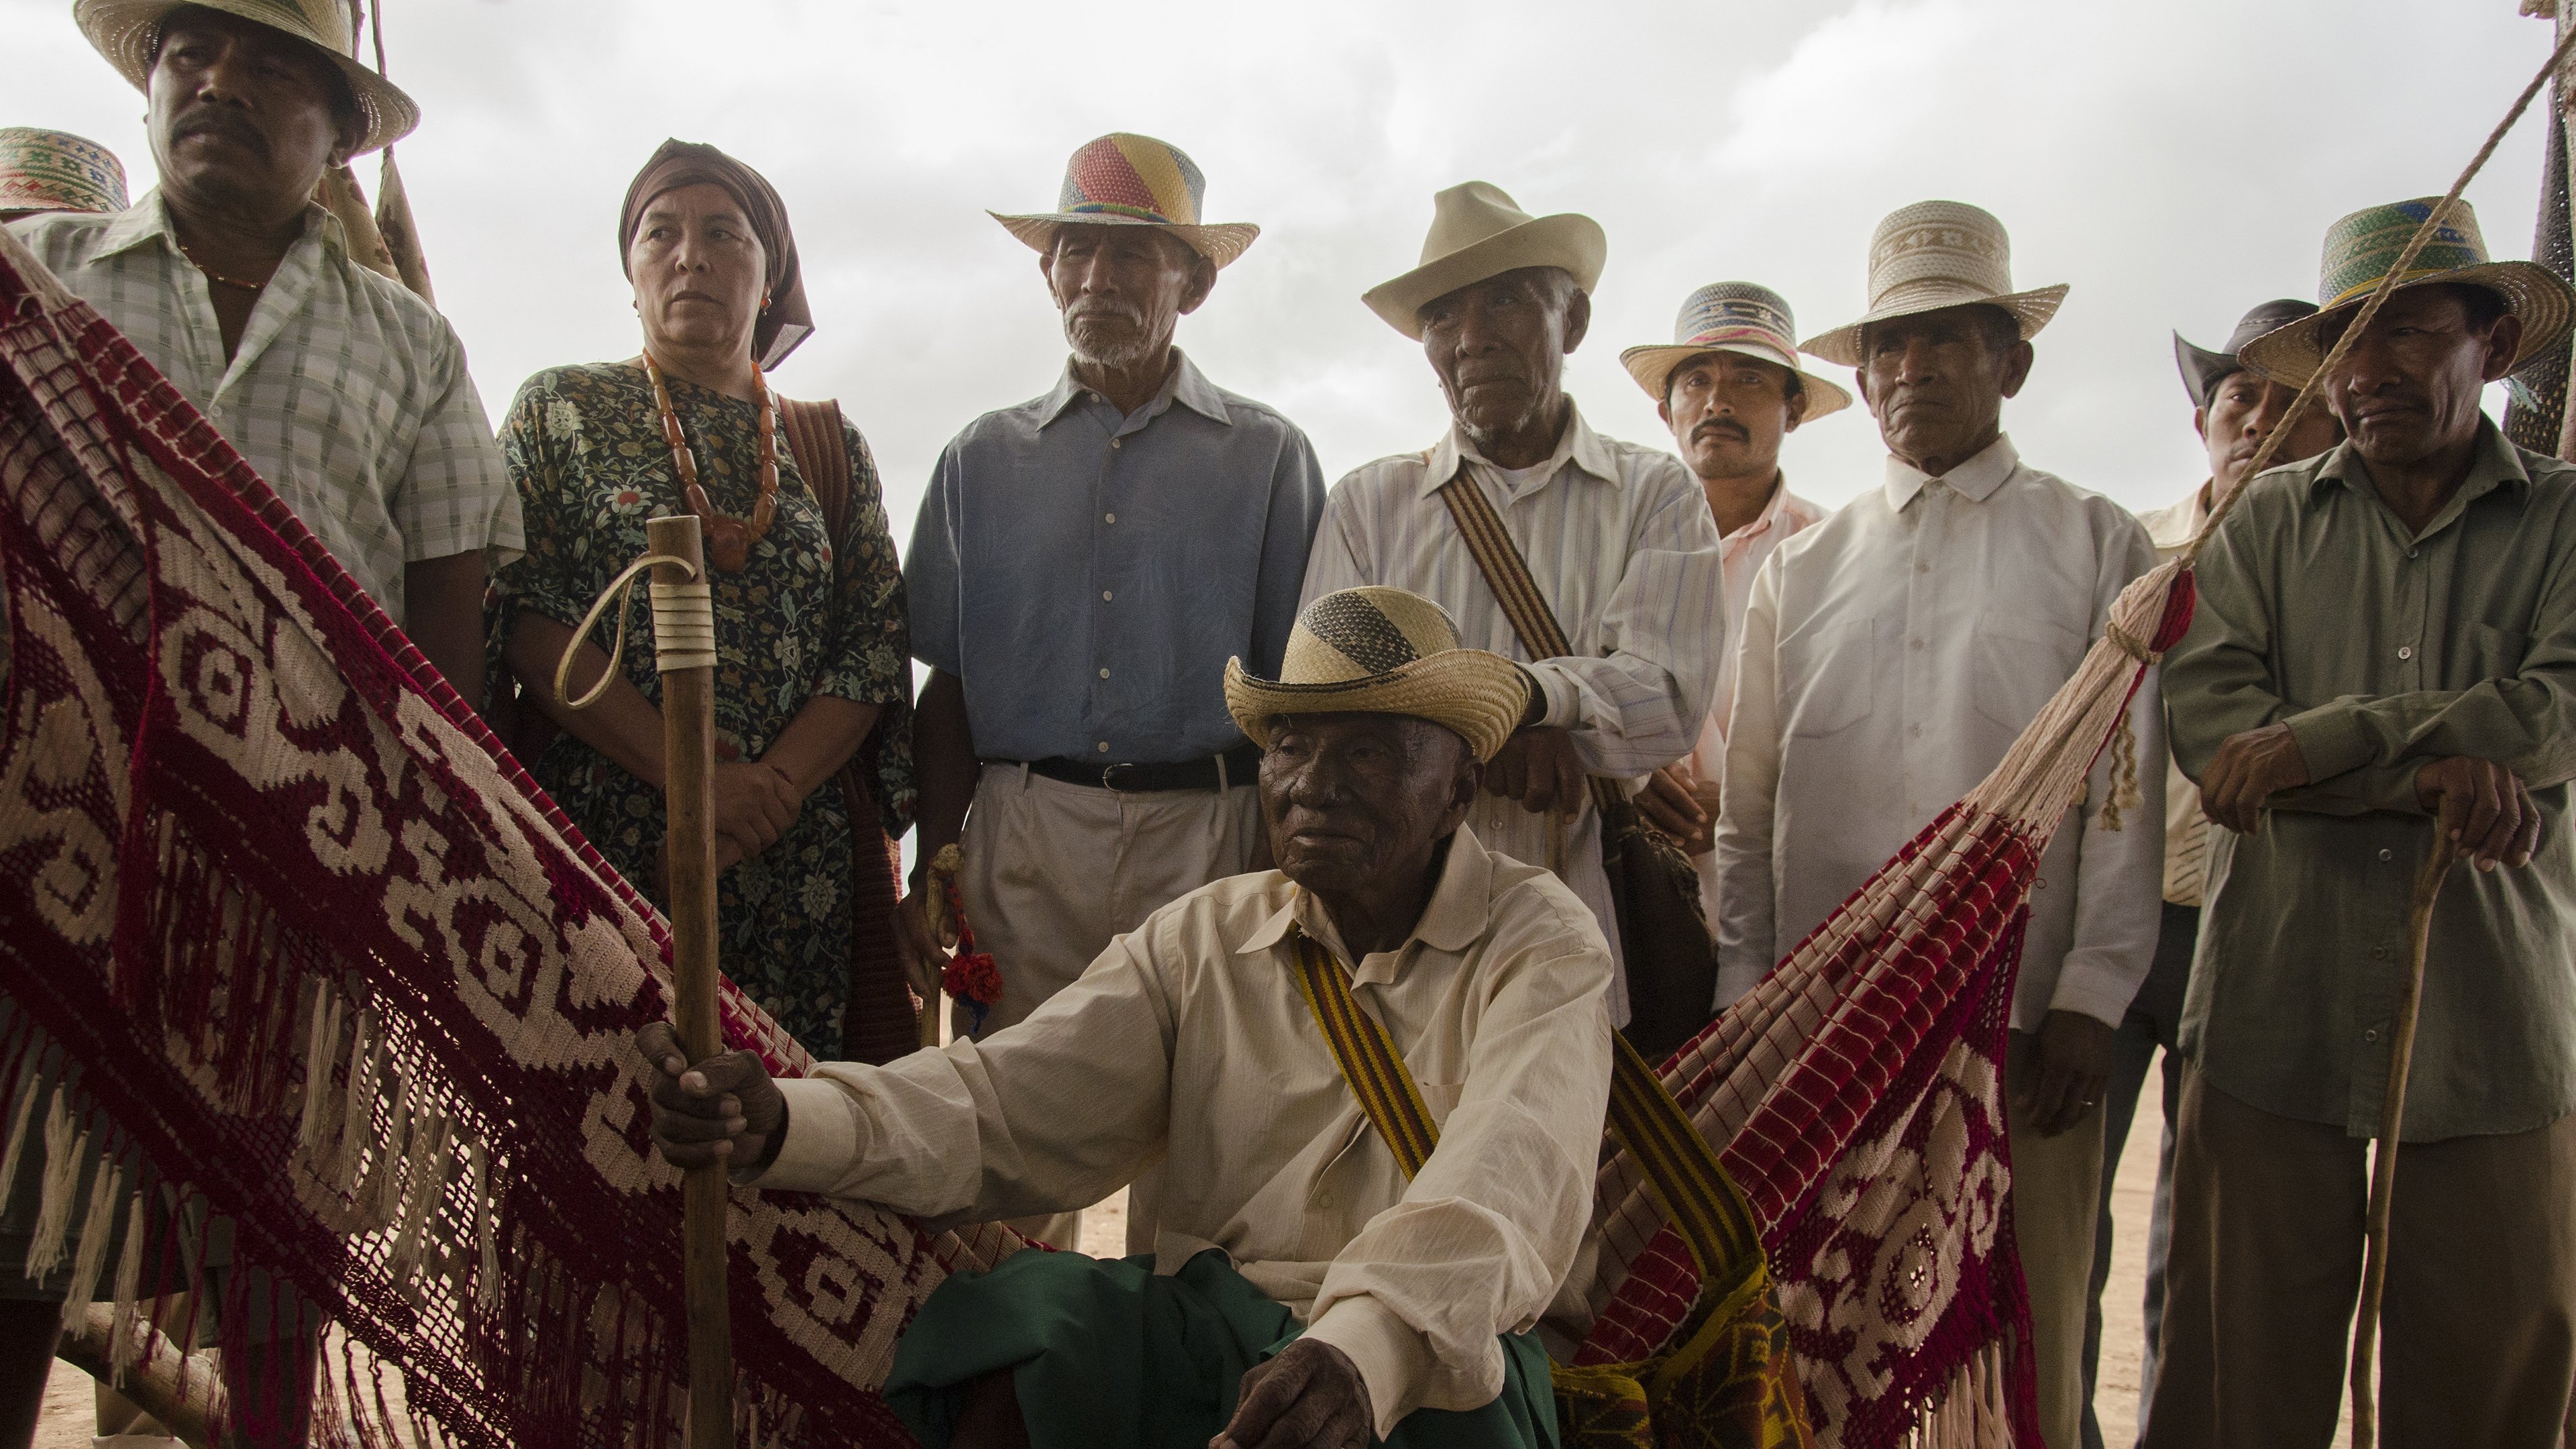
1054, 872
2476, 1344
2056, 1194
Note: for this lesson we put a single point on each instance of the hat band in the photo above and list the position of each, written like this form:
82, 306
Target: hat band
2404, 279
1761, 337
1113, 208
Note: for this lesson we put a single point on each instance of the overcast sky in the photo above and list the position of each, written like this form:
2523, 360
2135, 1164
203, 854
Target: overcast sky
2175, 162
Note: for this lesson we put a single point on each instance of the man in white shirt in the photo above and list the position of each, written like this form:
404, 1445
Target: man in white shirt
1192, 1041
1731, 389
1891, 656
1616, 537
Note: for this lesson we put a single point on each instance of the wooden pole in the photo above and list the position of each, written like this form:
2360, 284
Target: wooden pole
2392, 1113
688, 764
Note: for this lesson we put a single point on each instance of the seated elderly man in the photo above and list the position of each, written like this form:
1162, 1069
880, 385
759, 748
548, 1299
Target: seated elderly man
1302, 1291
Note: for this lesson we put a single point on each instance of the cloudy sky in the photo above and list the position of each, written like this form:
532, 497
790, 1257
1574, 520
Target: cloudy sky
2174, 161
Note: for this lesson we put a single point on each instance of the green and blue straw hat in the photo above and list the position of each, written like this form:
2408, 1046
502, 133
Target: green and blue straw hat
56, 171
1128, 180
2362, 247
1745, 318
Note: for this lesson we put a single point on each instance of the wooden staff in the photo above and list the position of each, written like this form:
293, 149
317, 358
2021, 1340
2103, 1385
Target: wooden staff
2392, 1112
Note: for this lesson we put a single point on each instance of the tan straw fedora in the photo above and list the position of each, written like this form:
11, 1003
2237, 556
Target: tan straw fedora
1745, 318
127, 31
2362, 247
1477, 232
1377, 650
1123, 179
1932, 255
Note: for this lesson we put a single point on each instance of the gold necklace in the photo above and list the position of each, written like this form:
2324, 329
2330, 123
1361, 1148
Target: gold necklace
728, 540
211, 274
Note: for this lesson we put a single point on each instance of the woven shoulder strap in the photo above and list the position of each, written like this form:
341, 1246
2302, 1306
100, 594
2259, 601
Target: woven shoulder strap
1680, 1167
822, 454
1507, 574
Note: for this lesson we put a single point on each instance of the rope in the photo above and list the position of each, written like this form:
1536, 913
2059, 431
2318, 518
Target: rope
2387, 284
684, 628
2130, 644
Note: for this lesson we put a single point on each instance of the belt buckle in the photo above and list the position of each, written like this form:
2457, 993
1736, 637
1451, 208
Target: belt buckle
1109, 777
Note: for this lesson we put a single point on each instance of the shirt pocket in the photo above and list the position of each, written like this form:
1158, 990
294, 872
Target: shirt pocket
2020, 661
1827, 677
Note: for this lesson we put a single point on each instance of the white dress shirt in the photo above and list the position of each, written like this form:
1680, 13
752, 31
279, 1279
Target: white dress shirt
1188, 1042
1619, 540
1892, 654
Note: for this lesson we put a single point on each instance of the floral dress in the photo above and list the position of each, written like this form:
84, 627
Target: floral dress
584, 444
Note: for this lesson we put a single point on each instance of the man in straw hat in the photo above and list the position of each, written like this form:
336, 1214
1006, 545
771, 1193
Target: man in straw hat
2233, 408
2384, 649
1730, 388
1892, 654
45, 171
1158, 522
1301, 1290
1617, 538
347, 393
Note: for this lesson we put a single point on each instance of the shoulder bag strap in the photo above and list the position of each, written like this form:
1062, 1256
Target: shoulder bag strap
822, 454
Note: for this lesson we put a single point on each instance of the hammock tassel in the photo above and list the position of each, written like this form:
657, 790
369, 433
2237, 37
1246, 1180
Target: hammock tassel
63, 1153
2124, 794
125, 1345
433, 1149
380, 1194
487, 1227
18, 1119
96, 1228
366, 1068
321, 1050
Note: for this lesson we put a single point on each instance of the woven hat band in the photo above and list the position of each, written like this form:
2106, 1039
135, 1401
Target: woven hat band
2361, 247
1936, 246
1128, 175
1737, 339
55, 171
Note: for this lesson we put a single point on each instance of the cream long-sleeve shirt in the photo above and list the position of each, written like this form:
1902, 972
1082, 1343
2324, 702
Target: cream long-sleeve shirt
1619, 540
1188, 1042
1891, 656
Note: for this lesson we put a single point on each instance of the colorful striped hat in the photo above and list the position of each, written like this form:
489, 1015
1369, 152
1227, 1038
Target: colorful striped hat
57, 171
2362, 247
1932, 256
1380, 650
128, 31
1740, 317
1123, 179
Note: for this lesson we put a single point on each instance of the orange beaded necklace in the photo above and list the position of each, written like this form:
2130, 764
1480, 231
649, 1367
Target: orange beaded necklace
729, 540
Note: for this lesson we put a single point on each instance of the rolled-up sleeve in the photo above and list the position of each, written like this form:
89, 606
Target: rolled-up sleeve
1639, 705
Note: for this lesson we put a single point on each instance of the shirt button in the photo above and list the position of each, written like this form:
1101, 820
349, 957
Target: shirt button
2371, 1035
1103, 747
1324, 1200
1104, 596
1923, 568
2378, 953
1913, 643
1109, 518
1914, 729
2387, 855
2405, 651
1104, 674
1114, 442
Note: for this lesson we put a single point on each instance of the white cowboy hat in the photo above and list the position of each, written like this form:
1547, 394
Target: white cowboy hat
1932, 255
1746, 318
1379, 650
1477, 232
127, 31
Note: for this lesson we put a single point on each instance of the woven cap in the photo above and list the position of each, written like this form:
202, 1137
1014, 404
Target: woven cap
1933, 255
1740, 317
1380, 650
56, 171
1123, 179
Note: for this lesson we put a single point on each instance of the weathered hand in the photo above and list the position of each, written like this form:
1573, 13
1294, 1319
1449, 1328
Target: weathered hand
1682, 806
1539, 768
723, 1110
2074, 1059
2246, 771
2485, 810
754, 805
924, 947
1309, 1397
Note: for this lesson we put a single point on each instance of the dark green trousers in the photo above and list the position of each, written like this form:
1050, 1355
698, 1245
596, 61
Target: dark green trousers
1105, 1355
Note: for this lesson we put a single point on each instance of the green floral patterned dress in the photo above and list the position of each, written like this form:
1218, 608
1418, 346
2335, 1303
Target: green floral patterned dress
585, 446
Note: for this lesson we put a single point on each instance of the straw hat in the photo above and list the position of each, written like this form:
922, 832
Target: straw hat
57, 171
2203, 369
1937, 254
1739, 317
1129, 180
1477, 232
2363, 246
126, 31
1377, 650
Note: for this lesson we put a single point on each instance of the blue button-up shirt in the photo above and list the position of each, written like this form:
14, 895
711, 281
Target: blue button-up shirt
1087, 575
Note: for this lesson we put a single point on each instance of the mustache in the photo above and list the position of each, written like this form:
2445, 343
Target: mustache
230, 125
1081, 312
1723, 426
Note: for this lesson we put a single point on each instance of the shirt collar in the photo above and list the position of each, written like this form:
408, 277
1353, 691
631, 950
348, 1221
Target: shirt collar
1782, 503
148, 219
1453, 920
1977, 478
2494, 465
2174, 526
1183, 384
1577, 444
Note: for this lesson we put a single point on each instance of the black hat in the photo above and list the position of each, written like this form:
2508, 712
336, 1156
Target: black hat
2202, 369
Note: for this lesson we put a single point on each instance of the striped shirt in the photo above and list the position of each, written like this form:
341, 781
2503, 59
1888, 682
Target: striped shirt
1620, 541
347, 393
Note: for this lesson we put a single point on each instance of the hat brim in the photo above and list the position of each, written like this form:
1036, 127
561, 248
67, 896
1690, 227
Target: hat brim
2031, 309
2202, 369
1566, 239
1219, 242
1652, 366
124, 31
1478, 694
2292, 354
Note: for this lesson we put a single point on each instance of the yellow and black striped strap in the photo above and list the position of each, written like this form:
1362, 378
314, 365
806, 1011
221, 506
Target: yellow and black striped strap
1368, 1060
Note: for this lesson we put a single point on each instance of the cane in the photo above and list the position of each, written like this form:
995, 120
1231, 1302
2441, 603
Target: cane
2383, 1167
684, 650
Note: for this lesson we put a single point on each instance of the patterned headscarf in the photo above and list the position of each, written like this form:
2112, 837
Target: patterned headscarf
784, 322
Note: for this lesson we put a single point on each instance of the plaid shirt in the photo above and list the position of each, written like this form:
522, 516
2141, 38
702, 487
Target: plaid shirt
348, 393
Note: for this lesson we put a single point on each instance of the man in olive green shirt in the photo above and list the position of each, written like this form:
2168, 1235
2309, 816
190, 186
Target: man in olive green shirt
2384, 654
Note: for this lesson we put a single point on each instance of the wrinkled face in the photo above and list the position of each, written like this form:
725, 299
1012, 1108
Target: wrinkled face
2242, 411
1937, 381
2410, 386
1728, 413
1123, 289
244, 114
1355, 799
1499, 347
698, 269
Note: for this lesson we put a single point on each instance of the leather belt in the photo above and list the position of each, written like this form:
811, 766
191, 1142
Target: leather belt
1242, 767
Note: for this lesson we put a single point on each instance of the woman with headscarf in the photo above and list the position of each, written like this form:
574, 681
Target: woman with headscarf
812, 669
